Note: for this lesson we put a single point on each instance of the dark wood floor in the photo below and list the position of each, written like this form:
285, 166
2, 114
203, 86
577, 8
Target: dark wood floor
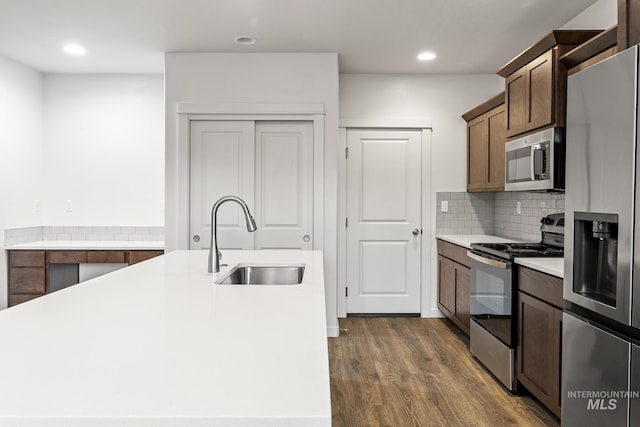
418, 372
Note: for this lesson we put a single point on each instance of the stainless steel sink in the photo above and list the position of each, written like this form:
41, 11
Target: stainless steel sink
245, 274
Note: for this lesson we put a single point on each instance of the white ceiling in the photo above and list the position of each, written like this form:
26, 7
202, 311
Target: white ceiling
371, 36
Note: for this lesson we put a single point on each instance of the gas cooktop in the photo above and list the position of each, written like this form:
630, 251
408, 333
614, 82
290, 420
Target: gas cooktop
512, 250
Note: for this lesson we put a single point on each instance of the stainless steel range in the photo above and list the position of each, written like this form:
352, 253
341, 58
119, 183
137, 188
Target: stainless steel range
493, 302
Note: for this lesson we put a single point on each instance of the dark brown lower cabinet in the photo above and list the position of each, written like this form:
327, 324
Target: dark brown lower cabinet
540, 336
454, 282
28, 270
27, 276
139, 256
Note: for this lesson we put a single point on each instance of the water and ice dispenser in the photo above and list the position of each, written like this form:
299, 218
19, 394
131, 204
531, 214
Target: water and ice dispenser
596, 256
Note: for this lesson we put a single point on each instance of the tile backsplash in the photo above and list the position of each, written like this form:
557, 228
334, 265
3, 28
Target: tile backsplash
496, 213
468, 213
32, 234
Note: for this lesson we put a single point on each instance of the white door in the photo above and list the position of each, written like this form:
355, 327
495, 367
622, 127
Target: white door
284, 185
384, 227
222, 163
270, 166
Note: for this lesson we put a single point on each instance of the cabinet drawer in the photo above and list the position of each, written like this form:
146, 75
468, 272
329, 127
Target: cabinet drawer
454, 252
105, 256
19, 299
26, 280
26, 258
67, 257
546, 287
139, 256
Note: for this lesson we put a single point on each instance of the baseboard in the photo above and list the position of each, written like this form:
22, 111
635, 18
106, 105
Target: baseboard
433, 313
333, 331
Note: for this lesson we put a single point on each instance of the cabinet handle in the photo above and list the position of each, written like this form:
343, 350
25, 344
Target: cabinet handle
415, 231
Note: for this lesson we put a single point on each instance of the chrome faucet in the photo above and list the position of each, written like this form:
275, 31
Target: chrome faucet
214, 254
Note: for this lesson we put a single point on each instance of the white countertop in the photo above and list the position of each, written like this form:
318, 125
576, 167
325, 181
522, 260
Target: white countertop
42, 245
553, 266
467, 239
159, 344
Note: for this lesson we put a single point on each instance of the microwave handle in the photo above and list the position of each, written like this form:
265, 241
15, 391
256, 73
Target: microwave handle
537, 162
533, 165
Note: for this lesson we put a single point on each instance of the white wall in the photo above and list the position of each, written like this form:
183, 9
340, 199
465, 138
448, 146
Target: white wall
206, 78
104, 150
600, 15
439, 100
21, 155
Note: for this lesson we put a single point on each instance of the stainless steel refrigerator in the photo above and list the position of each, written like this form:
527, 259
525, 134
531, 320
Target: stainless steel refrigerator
601, 322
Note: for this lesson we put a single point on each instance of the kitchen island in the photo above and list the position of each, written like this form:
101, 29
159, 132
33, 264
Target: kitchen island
159, 344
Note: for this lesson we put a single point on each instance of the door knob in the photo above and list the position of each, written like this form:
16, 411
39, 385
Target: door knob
306, 237
415, 232
196, 238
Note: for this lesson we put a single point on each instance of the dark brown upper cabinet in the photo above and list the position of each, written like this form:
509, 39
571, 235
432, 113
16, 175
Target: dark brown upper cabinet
486, 125
535, 82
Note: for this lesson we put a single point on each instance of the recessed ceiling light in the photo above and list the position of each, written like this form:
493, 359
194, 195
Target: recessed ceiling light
426, 56
246, 40
75, 49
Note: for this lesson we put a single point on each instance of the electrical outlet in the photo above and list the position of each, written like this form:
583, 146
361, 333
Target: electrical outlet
444, 206
68, 206
518, 207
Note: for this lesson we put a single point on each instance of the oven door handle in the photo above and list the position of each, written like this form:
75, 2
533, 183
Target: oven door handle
488, 261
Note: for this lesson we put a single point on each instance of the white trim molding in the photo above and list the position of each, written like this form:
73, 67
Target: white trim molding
386, 123
254, 108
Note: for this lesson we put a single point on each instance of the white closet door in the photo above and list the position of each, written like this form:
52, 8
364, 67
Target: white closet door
284, 185
222, 163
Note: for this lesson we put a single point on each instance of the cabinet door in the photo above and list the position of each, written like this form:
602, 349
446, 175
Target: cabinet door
557, 363
540, 105
139, 256
463, 296
477, 153
538, 350
26, 280
516, 102
446, 286
497, 135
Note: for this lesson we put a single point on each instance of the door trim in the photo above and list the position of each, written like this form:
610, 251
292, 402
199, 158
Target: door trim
188, 112
428, 306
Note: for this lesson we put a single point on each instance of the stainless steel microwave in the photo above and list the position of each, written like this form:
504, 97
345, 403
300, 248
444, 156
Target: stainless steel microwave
535, 162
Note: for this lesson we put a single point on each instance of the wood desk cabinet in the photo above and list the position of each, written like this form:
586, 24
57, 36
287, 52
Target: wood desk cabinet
28, 270
27, 275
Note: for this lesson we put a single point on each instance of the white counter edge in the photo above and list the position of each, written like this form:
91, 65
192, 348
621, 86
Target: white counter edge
52, 245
